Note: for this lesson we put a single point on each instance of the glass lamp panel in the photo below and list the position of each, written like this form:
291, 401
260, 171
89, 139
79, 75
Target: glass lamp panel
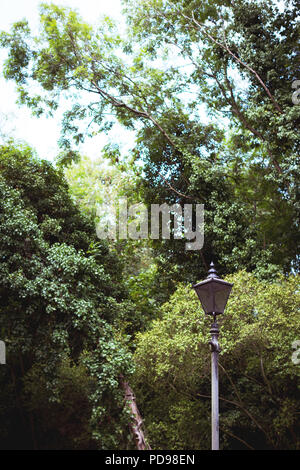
220, 294
213, 295
205, 295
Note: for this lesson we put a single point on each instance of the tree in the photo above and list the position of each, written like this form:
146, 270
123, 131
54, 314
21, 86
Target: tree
241, 60
98, 186
242, 164
259, 381
239, 158
218, 40
60, 311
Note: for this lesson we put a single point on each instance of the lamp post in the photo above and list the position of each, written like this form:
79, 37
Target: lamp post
213, 294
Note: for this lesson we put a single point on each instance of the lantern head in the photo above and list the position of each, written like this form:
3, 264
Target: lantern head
213, 293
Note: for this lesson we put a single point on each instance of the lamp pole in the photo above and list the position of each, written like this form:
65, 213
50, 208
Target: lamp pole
213, 294
215, 349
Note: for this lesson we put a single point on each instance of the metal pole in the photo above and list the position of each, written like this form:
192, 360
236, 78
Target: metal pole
215, 349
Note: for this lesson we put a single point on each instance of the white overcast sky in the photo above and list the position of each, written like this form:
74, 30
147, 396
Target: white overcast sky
42, 133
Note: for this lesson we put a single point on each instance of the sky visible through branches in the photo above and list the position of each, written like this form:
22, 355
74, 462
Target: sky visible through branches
43, 133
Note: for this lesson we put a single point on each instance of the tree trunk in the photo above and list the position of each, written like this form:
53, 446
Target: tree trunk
136, 424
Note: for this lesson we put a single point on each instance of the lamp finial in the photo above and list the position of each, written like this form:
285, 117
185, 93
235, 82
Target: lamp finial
212, 273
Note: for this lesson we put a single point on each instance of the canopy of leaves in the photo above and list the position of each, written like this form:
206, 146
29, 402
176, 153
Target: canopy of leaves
242, 164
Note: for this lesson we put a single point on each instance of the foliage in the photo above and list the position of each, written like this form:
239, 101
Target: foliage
259, 383
207, 89
97, 187
238, 60
58, 302
241, 163
96, 182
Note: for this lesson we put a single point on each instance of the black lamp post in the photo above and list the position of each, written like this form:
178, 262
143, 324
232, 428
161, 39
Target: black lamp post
213, 294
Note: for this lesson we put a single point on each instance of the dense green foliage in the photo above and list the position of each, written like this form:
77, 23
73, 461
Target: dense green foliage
242, 164
259, 382
240, 61
206, 86
98, 187
60, 311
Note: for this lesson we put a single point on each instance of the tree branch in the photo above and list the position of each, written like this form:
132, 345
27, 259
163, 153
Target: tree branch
237, 438
136, 424
236, 58
175, 190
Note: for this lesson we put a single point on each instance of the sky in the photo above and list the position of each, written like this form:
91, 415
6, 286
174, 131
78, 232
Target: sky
41, 133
